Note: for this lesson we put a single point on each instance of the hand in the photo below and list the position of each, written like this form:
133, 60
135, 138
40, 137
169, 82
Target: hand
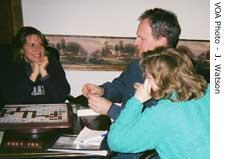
99, 104
143, 91
91, 89
43, 65
35, 71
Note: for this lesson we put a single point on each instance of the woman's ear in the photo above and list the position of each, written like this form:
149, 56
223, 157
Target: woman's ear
21, 51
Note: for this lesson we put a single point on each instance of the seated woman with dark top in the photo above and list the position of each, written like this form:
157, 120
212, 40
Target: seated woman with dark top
178, 126
35, 75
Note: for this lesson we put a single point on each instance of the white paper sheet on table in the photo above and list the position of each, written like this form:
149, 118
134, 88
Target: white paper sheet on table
86, 112
87, 142
89, 136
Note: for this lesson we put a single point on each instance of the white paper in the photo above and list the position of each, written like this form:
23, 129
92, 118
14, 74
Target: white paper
87, 142
86, 112
88, 136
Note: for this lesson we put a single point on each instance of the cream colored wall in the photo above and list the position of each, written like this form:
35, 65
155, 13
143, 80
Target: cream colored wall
109, 18
78, 78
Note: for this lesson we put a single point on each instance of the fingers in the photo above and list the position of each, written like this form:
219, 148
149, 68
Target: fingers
137, 85
35, 68
143, 91
147, 86
146, 83
93, 100
91, 89
44, 62
85, 90
99, 104
88, 89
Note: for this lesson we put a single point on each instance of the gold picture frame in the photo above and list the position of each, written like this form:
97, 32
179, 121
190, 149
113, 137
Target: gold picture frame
101, 53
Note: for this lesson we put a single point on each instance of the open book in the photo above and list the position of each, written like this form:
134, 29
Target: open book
87, 142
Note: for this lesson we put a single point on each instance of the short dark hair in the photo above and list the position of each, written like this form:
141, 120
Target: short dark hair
20, 39
163, 24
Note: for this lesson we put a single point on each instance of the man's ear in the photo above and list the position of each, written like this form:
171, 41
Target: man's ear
163, 41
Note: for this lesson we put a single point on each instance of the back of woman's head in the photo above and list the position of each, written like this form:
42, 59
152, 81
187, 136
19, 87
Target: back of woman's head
173, 71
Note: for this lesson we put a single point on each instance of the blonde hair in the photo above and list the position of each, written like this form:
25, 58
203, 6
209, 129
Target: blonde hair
173, 71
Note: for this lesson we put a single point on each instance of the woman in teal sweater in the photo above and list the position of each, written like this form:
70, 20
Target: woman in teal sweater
178, 126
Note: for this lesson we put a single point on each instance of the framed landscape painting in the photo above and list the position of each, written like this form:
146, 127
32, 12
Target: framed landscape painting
107, 53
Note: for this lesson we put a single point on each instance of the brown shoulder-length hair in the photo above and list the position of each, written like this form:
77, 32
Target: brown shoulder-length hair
174, 73
20, 40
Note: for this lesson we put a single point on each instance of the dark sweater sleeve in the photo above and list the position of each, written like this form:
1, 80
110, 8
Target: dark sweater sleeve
118, 88
16, 86
114, 111
121, 88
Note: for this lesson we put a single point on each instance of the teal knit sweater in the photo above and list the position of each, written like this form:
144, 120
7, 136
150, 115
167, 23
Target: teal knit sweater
177, 130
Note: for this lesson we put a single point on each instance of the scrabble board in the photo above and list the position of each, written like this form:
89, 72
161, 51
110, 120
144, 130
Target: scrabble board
35, 116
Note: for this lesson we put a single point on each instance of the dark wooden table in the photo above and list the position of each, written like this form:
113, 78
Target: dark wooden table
93, 122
